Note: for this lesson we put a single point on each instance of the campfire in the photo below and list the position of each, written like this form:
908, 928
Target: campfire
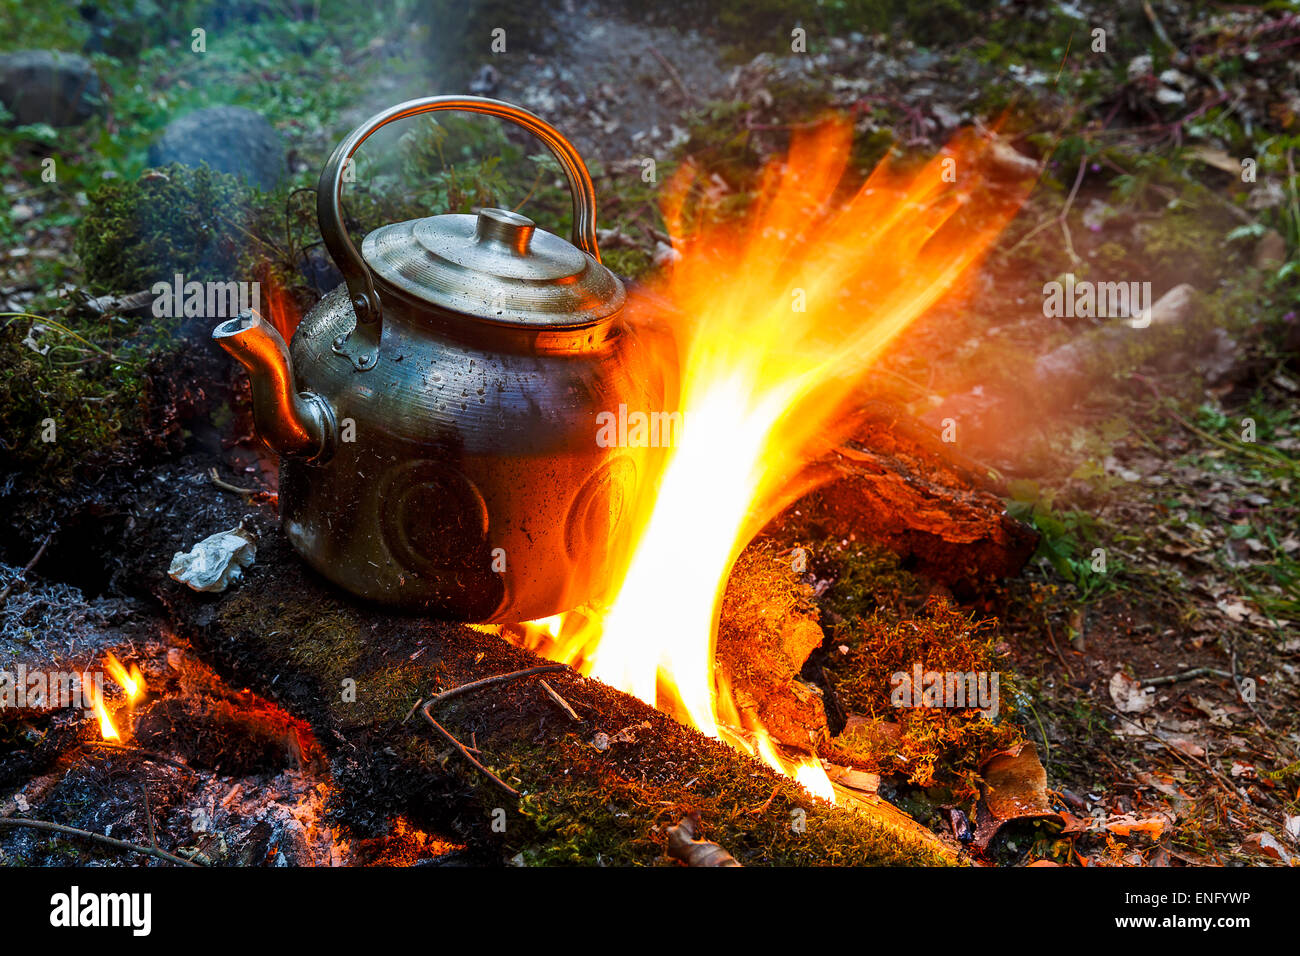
776, 322
765, 330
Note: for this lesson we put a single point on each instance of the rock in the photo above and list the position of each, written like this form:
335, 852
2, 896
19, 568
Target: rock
230, 139
47, 86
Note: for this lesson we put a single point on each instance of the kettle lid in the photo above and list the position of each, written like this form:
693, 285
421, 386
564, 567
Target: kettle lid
497, 266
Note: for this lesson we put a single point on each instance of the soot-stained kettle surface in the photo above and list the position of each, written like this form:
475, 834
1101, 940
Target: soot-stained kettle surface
436, 413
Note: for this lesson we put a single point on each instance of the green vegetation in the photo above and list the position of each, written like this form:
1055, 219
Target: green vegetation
928, 745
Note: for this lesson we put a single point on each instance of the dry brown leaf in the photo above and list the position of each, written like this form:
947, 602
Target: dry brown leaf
682, 845
1265, 844
1130, 697
1128, 825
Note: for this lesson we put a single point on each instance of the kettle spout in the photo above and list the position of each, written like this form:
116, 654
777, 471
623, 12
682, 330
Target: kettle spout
293, 423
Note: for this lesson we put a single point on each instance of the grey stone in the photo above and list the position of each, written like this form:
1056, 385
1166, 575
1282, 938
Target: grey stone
230, 139
47, 86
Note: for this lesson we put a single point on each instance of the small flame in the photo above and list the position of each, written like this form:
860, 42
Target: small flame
280, 309
812, 777
106, 728
775, 324
131, 683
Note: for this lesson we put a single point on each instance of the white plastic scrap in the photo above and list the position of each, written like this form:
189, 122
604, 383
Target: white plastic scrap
216, 561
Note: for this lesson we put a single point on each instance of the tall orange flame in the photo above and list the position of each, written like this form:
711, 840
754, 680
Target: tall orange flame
776, 322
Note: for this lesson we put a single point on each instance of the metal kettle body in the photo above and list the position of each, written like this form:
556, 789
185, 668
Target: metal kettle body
446, 460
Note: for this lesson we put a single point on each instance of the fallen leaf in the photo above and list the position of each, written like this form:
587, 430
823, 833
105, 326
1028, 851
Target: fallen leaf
1128, 825
1214, 157
1129, 696
1016, 784
1265, 844
1184, 745
682, 845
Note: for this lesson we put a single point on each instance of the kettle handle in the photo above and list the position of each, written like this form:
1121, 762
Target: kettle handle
361, 345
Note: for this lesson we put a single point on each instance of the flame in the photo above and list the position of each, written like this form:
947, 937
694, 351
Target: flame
281, 310
106, 728
131, 683
776, 322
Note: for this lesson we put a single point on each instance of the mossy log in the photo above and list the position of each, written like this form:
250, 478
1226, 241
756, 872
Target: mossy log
353, 673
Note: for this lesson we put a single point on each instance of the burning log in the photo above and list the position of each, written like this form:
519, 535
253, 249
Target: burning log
767, 629
353, 673
895, 482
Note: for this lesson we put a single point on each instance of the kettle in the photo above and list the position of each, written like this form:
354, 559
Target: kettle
436, 413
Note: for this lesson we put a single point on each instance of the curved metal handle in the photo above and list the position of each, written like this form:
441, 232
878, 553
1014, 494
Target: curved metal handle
361, 345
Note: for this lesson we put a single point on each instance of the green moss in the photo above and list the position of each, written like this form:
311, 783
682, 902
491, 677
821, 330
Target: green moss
579, 809
322, 640
628, 263
930, 745
173, 220
386, 695
866, 576
84, 404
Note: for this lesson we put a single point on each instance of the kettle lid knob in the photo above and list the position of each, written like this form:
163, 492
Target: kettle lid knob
508, 229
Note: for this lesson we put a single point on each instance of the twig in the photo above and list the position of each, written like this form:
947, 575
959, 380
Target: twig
1059, 656
212, 476
563, 704
98, 837
759, 811
1236, 682
1159, 27
465, 753
148, 816
1185, 758
1184, 675
4, 595
476, 685
672, 73
142, 754
498, 679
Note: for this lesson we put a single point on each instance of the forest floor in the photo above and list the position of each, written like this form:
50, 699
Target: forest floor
1155, 637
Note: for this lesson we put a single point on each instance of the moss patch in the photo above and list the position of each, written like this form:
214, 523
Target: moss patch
170, 220
929, 745
583, 807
